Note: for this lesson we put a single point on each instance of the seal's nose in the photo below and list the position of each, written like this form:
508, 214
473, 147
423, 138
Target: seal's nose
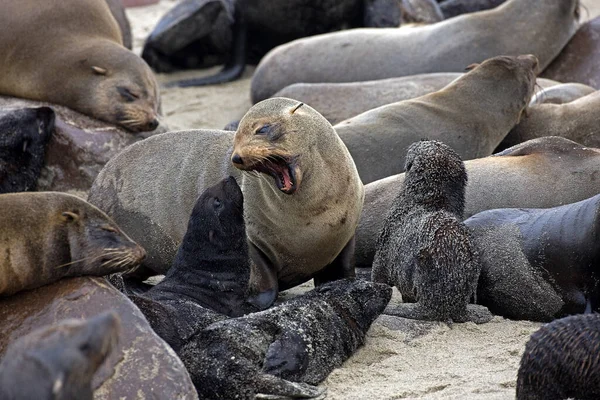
236, 159
152, 125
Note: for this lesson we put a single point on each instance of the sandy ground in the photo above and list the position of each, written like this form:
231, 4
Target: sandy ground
401, 359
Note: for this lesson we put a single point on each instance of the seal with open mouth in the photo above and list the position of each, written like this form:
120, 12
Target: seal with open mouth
303, 197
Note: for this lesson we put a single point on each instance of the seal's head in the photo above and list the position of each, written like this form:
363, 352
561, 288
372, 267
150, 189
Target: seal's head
276, 137
59, 362
435, 176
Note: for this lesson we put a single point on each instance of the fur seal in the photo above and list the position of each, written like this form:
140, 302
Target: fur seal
545, 172
58, 361
447, 46
561, 94
472, 115
560, 361
78, 62
303, 196
47, 236
24, 135
551, 252
424, 249
453, 8
577, 121
579, 61
285, 350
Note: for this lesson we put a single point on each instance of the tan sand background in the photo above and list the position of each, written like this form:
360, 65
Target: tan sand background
401, 359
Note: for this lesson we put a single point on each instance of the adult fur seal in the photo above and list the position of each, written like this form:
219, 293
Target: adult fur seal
539, 264
560, 361
24, 135
47, 236
79, 61
424, 249
287, 349
561, 94
577, 121
58, 361
579, 61
545, 172
447, 46
472, 115
303, 196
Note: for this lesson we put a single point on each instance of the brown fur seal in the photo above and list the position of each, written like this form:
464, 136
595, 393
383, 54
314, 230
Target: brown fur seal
580, 60
424, 249
78, 61
47, 236
303, 196
340, 101
471, 115
577, 121
545, 172
561, 94
58, 361
448, 46
561, 361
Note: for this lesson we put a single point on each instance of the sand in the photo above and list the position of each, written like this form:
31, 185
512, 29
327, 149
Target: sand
401, 359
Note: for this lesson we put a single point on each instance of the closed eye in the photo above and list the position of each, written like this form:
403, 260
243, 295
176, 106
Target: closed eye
126, 94
108, 228
263, 130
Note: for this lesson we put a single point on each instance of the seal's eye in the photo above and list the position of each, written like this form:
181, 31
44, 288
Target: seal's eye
263, 130
217, 203
126, 94
408, 166
108, 228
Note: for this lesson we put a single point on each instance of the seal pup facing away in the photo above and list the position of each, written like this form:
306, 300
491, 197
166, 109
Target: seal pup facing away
286, 349
539, 264
78, 61
24, 135
511, 29
561, 361
58, 361
471, 115
302, 197
47, 236
424, 249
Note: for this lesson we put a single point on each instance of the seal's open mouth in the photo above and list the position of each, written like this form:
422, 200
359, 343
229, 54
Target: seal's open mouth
282, 170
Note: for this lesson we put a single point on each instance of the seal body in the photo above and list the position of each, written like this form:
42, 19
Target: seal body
561, 94
423, 248
47, 236
543, 173
58, 361
453, 8
552, 253
118, 11
286, 349
24, 136
560, 361
303, 196
472, 115
80, 62
447, 46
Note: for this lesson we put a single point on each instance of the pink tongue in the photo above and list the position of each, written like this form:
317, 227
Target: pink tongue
287, 181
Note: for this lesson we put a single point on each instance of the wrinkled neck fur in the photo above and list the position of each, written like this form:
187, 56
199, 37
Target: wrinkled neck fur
432, 196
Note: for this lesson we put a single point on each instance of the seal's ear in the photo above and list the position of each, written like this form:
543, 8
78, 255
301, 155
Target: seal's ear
69, 216
99, 71
472, 66
293, 110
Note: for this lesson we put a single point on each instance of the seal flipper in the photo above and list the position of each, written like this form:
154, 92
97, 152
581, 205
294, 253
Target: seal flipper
263, 279
287, 357
341, 267
272, 387
474, 313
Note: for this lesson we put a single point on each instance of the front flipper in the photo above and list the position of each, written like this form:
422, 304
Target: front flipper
341, 267
474, 313
264, 285
287, 357
274, 388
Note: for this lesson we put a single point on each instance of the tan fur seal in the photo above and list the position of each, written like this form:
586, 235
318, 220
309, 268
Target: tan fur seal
577, 121
561, 94
541, 173
300, 221
47, 236
340, 101
472, 115
513, 28
77, 60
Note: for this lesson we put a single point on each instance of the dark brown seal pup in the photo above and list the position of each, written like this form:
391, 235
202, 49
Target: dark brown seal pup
302, 197
545, 172
448, 46
471, 115
561, 361
58, 362
47, 236
78, 61
24, 135
287, 349
579, 61
423, 248
539, 264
